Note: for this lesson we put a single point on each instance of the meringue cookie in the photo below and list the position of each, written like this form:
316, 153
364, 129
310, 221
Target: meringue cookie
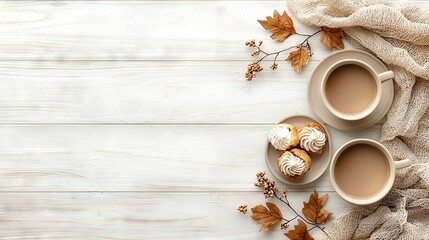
311, 139
290, 164
283, 136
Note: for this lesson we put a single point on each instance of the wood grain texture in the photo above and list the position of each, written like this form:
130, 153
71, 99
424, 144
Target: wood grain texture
148, 92
135, 30
139, 158
145, 91
132, 119
133, 216
138, 30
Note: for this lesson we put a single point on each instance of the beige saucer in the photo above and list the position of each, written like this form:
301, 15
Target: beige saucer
315, 95
319, 162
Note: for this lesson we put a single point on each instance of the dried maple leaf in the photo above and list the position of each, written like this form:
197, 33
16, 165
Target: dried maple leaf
299, 232
266, 216
313, 210
280, 25
332, 38
298, 58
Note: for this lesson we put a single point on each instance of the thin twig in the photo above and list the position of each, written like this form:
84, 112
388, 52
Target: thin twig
309, 36
301, 34
275, 58
311, 229
315, 225
262, 51
276, 53
290, 220
287, 49
323, 230
287, 203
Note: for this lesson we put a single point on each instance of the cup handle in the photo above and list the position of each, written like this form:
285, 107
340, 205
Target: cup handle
402, 163
382, 77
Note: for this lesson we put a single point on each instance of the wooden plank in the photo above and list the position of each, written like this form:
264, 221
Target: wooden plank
139, 158
148, 92
132, 216
134, 30
138, 30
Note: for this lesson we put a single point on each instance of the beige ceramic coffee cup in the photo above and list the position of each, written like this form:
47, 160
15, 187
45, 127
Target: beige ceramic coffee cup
393, 165
379, 78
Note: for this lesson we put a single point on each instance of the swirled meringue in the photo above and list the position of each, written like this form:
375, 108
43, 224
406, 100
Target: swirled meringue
290, 164
280, 137
311, 139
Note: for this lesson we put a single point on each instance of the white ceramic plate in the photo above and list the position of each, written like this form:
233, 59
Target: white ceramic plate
319, 163
315, 97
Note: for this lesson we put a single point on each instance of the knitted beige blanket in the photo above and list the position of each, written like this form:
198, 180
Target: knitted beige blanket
398, 34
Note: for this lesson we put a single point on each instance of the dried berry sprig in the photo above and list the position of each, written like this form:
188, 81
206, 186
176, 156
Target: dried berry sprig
268, 216
315, 225
252, 69
284, 226
242, 208
262, 181
281, 27
251, 73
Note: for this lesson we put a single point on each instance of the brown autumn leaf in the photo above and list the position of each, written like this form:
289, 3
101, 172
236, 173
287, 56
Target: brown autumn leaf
332, 38
299, 232
314, 211
298, 58
280, 25
266, 216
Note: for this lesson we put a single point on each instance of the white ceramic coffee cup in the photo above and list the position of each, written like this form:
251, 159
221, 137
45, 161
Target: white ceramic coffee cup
393, 165
379, 78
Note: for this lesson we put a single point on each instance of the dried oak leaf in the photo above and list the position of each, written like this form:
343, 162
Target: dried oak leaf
332, 38
298, 58
299, 232
266, 216
280, 25
314, 211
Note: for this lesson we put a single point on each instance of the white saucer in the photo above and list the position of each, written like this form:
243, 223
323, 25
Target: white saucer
315, 97
319, 163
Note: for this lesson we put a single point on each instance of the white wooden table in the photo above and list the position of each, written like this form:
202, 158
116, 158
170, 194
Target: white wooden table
132, 119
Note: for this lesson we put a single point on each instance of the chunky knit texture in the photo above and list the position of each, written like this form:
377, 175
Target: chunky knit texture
398, 34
